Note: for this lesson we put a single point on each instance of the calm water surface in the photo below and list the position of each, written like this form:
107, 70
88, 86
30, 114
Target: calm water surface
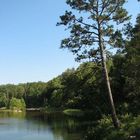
39, 126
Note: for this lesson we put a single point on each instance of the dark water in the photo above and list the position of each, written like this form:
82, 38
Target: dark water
39, 126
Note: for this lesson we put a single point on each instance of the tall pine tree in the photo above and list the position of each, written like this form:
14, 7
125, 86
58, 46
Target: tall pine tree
91, 24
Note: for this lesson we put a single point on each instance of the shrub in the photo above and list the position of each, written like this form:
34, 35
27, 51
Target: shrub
17, 104
130, 128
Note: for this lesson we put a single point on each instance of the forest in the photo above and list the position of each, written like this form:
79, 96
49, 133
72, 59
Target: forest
84, 88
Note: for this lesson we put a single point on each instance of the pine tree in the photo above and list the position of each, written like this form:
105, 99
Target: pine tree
92, 31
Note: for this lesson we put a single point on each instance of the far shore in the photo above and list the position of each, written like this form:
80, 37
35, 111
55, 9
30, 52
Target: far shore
18, 110
33, 109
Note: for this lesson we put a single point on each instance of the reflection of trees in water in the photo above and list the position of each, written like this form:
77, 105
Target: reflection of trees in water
63, 127
58, 125
12, 114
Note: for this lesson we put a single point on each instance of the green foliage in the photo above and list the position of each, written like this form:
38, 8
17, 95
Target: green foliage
17, 104
56, 98
105, 131
92, 30
84, 87
94, 25
132, 66
31, 92
3, 100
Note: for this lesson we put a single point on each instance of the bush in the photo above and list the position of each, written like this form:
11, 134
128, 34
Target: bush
17, 104
130, 128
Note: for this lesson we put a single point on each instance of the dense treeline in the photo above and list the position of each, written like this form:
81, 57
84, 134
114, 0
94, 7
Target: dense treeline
84, 87
30, 92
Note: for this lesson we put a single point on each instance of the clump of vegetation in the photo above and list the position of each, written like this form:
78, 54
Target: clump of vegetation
17, 104
104, 129
74, 112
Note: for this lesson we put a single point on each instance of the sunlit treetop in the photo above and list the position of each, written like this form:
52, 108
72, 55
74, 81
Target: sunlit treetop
90, 19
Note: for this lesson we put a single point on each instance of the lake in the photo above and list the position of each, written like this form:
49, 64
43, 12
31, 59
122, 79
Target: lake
41, 126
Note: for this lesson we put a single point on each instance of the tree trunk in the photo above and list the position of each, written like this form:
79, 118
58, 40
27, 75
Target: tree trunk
105, 71
113, 111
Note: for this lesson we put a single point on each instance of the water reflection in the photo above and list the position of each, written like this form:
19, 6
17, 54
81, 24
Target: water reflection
40, 126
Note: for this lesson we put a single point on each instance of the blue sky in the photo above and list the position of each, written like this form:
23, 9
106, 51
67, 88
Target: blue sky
30, 40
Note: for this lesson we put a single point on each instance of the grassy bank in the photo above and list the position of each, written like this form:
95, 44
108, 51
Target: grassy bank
74, 112
10, 110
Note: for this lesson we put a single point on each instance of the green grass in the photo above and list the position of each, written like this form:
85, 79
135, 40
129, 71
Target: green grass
74, 112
